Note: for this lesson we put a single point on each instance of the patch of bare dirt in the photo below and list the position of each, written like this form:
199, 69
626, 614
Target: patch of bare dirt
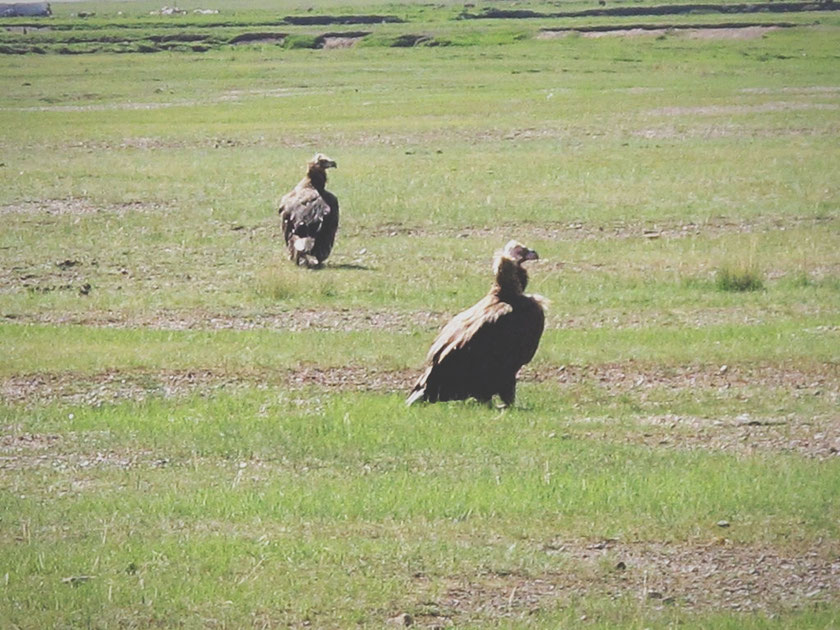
25, 451
578, 230
625, 10
815, 437
359, 320
805, 89
624, 32
725, 130
634, 376
617, 319
749, 32
294, 320
77, 206
733, 110
355, 378
822, 379
817, 379
705, 31
102, 107
28, 442
615, 378
718, 575
113, 386
331, 43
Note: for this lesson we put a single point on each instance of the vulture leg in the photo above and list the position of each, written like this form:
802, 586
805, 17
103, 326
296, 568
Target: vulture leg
507, 392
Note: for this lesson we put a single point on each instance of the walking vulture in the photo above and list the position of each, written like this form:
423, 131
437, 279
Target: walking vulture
310, 215
479, 352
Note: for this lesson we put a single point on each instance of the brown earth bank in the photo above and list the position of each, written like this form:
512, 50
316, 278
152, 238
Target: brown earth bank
649, 575
667, 9
745, 30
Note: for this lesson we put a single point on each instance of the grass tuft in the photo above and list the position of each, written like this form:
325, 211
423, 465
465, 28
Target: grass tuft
739, 278
283, 281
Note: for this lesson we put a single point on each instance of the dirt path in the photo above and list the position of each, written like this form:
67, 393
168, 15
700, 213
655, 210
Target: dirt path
392, 321
343, 319
701, 576
615, 230
815, 436
612, 378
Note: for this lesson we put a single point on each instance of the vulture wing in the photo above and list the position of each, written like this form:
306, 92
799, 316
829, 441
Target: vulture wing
303, 212
309, 214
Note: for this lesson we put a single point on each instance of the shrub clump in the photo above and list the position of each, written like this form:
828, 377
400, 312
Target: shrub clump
739, 278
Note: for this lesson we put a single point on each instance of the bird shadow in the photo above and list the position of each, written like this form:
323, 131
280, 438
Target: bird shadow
345, 267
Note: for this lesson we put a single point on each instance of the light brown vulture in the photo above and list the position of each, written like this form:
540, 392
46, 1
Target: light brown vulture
310, 215
479, 352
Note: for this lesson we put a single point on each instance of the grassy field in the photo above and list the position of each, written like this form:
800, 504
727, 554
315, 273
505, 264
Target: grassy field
196, 434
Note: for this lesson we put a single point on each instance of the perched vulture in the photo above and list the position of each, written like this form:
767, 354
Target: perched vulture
479, 352
310, 215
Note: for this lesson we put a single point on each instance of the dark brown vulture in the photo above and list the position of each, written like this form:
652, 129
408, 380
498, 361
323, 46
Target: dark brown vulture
479, 352
310, 215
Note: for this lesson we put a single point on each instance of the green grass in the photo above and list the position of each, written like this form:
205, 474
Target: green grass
79, 348
363, 458
154, 435
277, 500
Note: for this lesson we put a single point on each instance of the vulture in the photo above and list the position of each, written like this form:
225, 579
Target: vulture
310, 215
479, 352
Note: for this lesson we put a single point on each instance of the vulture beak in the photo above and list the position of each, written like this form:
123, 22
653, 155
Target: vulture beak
530, 254
330, 164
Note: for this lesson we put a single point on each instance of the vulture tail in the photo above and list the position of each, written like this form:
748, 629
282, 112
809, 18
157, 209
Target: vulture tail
419, 391
303, 245
416, 395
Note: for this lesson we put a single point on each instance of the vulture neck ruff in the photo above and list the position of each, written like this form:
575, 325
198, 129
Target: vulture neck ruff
317, 177
511, 278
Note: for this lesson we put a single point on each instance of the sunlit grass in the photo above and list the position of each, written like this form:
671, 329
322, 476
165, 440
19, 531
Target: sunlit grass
639, 168
315, 498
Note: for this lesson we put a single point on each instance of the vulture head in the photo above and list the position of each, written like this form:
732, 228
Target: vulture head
321, 163
516, 251
511, 276
316, 170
